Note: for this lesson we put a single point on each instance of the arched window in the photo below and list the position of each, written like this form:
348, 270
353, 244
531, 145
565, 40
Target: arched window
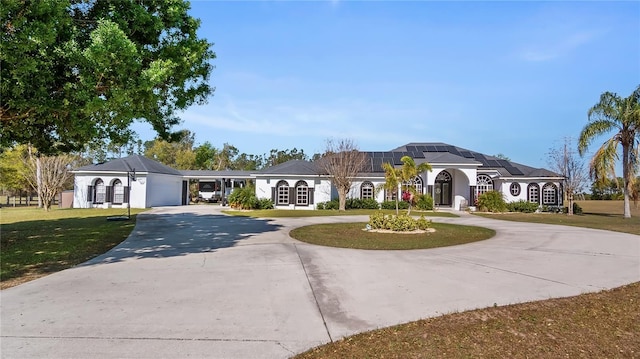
416, 183
118, 192
282, 193
515, 189
302, 193
443, 176
533, 193
366, 190
549, 194
484, 184
100, 191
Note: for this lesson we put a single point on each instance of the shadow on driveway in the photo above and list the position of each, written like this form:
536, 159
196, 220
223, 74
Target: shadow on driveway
179, 234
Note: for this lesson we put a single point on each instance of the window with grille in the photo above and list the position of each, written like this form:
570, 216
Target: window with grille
118, 192
366, 190
549, 194
484, 184
515, 189
533, 193
101, 191
302, 193
282, 189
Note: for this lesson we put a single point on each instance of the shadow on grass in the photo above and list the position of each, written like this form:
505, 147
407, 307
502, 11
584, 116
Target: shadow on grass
170, 235
32, 248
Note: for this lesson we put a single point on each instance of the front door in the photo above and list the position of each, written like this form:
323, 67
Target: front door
442, 189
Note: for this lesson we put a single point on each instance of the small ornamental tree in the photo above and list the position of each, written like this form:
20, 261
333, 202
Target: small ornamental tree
392, 179
343, 162
408, 172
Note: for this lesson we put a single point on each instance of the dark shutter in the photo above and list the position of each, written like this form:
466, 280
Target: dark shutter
90, 193
472, 195
126, 195
430, 190
292, 195
109, 194
273, 196
310, 195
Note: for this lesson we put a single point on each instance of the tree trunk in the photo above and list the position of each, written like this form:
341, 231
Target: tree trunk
626, 175
342, 199
570, 208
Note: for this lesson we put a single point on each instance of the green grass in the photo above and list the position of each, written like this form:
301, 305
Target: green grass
595, 325
281, 213
605, 215
351, 235
35, 243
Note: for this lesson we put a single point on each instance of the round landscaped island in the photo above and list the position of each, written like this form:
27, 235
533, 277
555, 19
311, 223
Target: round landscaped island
352, 235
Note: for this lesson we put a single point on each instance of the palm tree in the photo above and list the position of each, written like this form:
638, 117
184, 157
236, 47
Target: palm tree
409, 172
621, 115
392, 178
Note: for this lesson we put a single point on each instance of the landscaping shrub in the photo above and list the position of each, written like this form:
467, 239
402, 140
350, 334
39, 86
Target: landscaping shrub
522, 206
357, 203
399, 223
392, 205
424, 202
576, 209
265, 203
334, 204
491, 201
245, 198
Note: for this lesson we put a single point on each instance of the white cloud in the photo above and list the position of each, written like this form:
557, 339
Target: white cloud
553, 46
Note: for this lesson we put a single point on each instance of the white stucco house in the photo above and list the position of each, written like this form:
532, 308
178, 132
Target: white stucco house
457, 178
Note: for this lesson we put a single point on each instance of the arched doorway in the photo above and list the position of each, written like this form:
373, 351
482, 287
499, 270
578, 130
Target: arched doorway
442, 189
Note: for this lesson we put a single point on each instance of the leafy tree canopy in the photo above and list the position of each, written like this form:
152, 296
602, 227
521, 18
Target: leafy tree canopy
76, 71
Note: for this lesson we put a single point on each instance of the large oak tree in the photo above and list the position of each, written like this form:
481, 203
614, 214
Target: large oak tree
76, 71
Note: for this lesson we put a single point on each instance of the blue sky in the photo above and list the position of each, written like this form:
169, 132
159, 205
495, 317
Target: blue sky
493, 77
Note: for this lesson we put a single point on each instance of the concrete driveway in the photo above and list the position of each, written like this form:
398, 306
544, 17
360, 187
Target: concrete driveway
191, 282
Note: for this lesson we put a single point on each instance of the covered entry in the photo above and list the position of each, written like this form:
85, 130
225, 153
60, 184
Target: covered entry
442, 189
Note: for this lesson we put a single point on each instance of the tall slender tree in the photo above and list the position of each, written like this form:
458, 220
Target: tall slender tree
392, 179
622, 117
408, 172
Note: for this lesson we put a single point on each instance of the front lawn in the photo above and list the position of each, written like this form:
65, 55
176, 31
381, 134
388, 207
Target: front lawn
351, 235
281, 213
34, 243
594, 325
597, 214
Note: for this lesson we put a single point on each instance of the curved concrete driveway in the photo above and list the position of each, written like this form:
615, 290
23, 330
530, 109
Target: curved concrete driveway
190, 282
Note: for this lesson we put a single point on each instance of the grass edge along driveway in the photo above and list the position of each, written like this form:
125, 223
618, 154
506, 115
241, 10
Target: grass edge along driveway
35, 243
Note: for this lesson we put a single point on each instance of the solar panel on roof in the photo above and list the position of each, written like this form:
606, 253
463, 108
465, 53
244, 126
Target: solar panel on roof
421, 148
417, 154
454, 150
493, 163
431, 148
411, 149
504, 163
514, 171
441, 148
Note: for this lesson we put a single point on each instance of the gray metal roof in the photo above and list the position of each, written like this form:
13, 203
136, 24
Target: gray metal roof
126, 164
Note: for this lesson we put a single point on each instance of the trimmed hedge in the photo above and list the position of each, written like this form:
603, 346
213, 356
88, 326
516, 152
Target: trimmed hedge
399, 223
351, 203
522, 206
